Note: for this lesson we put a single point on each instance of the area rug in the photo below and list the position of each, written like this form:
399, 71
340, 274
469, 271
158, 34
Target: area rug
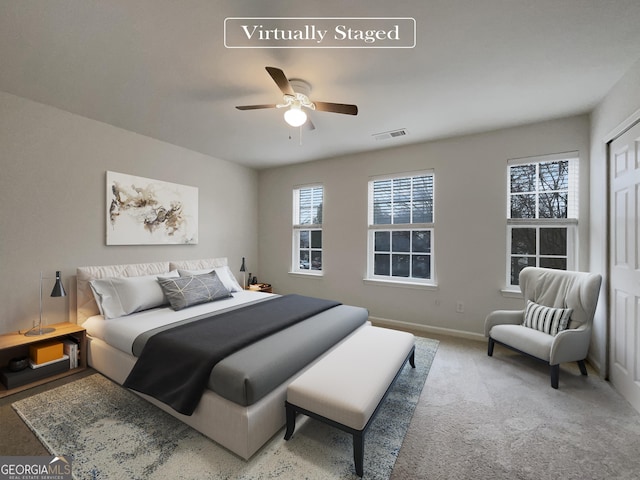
113, 434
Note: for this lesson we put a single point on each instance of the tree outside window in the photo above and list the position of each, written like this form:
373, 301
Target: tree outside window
542, 215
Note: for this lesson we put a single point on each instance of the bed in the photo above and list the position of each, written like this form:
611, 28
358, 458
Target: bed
243, 405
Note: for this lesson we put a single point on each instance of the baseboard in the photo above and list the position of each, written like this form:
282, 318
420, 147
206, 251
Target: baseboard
426, 329
595, 365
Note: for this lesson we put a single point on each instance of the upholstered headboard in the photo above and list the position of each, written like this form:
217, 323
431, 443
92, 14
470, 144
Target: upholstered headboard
87, 307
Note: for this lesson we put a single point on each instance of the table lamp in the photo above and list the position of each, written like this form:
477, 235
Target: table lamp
58, 291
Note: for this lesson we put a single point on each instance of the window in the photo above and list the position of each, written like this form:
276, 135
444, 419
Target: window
307, 229
542, 215
401, 228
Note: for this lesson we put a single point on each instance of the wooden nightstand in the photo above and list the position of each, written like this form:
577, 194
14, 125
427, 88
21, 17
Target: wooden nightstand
261, 287
14, 345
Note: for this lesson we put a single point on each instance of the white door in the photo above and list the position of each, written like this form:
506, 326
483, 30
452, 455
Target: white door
624, 251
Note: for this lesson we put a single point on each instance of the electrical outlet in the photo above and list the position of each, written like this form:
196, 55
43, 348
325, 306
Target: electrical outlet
460, 307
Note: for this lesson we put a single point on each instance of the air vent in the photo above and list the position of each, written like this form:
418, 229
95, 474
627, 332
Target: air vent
390, 134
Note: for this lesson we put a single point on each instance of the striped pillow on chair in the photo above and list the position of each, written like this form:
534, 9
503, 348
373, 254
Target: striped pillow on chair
546, 319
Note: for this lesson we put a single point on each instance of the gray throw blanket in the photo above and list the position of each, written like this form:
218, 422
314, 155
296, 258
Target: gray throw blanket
175, 365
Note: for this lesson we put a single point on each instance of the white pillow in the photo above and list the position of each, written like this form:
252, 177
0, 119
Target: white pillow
119, 296
224, 274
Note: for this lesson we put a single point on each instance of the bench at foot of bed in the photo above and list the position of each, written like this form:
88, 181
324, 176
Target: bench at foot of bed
345, 389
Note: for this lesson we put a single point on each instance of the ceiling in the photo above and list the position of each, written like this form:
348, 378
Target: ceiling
160, 68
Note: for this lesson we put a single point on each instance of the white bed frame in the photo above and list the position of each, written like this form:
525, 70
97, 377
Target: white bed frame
243, 430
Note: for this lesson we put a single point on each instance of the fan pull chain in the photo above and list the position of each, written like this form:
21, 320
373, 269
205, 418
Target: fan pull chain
299, 135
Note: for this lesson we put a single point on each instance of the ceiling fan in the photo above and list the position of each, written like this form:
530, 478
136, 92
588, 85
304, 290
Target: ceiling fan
296, 95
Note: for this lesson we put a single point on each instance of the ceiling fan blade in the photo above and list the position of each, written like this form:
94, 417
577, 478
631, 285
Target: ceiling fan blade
337, 108
281, 80
308, 125
256, 107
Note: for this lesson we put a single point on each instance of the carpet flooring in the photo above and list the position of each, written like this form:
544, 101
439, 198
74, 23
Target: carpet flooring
482, 417
498, 418
113, 434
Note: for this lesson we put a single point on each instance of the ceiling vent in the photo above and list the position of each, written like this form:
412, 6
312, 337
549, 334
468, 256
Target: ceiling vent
391, 134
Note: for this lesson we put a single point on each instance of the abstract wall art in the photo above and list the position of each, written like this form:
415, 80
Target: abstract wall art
142, 211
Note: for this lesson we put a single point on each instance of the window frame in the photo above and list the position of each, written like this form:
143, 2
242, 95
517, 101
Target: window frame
400, 227
570, 222
298, 228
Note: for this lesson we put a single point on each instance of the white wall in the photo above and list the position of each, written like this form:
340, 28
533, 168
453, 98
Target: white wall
619, 104
52, 186
470, 216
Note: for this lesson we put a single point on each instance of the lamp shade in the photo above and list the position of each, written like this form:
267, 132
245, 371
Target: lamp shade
58, 287
295, 116
242, 267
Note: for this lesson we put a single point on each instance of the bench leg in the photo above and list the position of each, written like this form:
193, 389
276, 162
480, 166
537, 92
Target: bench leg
358, 452
490, 346
291, 420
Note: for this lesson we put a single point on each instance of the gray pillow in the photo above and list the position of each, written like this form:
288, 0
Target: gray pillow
183, 292
224, 273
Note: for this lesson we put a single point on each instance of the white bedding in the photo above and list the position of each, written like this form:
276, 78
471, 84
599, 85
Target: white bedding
122, 332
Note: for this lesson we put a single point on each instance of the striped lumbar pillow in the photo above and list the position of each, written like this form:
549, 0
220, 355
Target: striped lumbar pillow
546, 319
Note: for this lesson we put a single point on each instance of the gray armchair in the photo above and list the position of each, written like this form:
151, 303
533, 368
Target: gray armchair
551, 288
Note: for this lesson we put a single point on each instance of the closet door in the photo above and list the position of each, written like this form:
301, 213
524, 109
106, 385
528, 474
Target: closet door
624, 252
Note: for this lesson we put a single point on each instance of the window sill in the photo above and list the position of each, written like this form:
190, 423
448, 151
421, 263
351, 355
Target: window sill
307, 274
511, 293
398, 284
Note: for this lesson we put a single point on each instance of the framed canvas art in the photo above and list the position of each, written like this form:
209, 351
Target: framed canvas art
142, 211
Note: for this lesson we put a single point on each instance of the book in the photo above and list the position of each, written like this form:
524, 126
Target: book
71, 349
34, 365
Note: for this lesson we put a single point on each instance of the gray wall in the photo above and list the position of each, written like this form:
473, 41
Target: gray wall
52, 186
52, 182
470, 223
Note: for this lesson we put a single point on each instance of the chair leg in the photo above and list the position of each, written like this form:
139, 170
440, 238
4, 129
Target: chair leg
583, 367
555, 375
490, 346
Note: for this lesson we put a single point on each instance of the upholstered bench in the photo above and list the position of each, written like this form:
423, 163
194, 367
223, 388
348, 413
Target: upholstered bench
346, 387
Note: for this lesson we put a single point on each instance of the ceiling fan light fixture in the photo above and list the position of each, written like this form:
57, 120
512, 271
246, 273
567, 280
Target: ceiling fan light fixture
295, 96
294, 116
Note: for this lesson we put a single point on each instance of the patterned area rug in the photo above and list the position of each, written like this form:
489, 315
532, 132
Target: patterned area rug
113, 434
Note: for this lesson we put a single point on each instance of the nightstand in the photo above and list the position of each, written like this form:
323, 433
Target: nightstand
261, 287
15, 345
